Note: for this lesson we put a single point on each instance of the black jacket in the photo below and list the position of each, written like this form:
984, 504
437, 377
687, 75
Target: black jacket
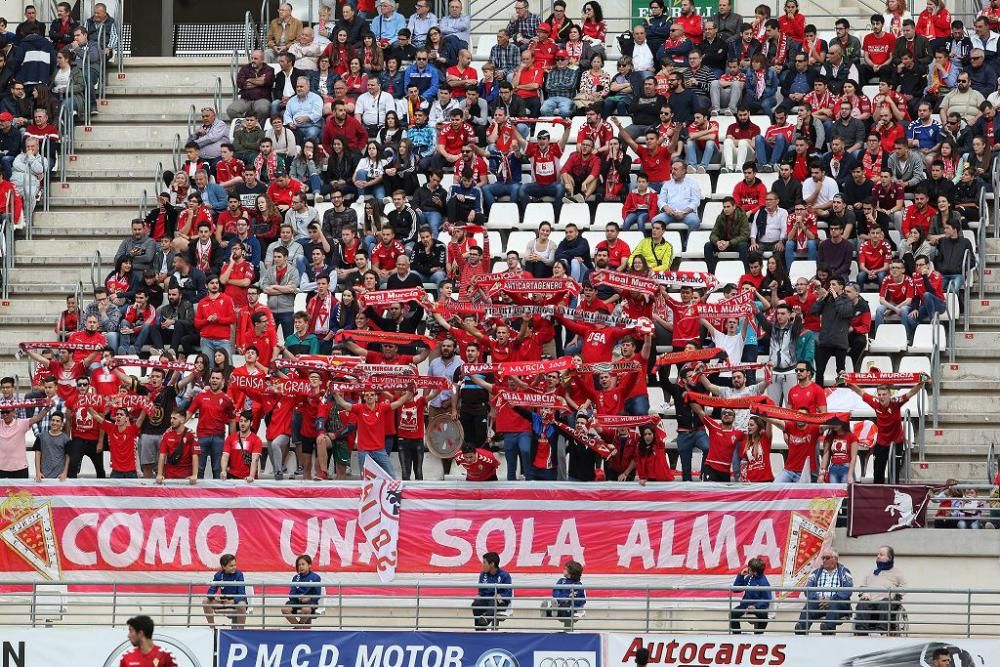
279, 81
423, 260
835, 322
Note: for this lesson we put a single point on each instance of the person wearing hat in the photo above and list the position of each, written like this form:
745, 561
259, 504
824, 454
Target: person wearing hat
560, 86
387, 24
544, 47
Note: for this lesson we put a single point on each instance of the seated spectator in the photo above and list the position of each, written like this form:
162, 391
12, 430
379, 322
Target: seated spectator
876, 604
730, 233
569, 596
680, 198
282, 32
754, 603
830, 608
304, 113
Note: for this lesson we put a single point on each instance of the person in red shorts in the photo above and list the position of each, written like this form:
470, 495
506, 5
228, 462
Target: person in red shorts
723, 441
891, 439
480, 464
121, 438
179, 451
801, 439
806, 395
241, 453
144, 652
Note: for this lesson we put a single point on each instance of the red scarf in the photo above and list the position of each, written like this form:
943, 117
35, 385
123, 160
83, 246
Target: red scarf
364, 337
786, 414
685, 356
73, 347
386, 297
625, 281
737, 403
164, 364
877, 378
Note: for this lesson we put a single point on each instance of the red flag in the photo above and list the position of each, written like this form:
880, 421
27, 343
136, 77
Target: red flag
886, 508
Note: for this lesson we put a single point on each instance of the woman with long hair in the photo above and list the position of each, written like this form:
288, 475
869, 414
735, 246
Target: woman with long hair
401, 174
321, 81
372, 58
792, 23
392, 78
949, 156
340, 169
194, 382
221, 362
345, 312
268, 220
651, 457
576, 49
934, 23
840, 452
340, 51
755, 459
894, 16
595, 28
121, 283
777, 276
616, 168
356, 79
391, 132
540, 254
178, 190
979, 161
369, 178
188, 220
441, 53
44, 99
67, 83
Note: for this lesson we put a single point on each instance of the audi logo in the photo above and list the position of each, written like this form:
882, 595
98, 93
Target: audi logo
564, 662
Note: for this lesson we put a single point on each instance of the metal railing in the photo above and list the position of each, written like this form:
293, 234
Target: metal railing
251, 34
217, 96
78, 295
265, 16
144, 204
7, 246
234, 68
176, 153
96, 270
192, 115
102, 80
120, 18
935, 369
985, 217
430, 606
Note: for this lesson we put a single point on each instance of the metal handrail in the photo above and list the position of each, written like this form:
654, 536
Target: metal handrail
250, 33
192, 113
102, 81
217, 97
7, 246
233, 70
157, 179
120, 17
996, 201
43, 151
95, 269
265, 15
965, 298
78, 295
88, 85
67, 134
984, 221
176, 153
935, 368
143, 204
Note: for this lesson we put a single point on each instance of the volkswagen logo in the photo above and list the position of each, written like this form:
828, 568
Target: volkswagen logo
497, 658
564, 662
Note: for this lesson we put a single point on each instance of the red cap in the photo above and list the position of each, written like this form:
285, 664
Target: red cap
544, 26
562, 53
6, 116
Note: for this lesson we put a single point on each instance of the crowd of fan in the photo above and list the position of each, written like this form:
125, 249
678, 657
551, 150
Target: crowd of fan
357, 108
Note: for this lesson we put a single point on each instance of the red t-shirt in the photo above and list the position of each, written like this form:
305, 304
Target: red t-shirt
122, 446
459, 73
809, 320
888, 419
840, 448
410, 424
238, 467
686, 326
722, 442
810, 397
66, 379
712, 136
84, 425
484, 468
281, 418
544, 166
454, 139
157, 657
655, 164
801, 443
533, 75
371, 425
215, 411
758, 467
914, 217
384, 256
241, 271
896, 293
185, 466
598, 343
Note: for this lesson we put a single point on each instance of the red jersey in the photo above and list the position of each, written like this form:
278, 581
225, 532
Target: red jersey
480, 169
453, 139
750, 197
225, 314
241, 453
384, 256
371, 425
873, 257
215, 410
801, 443
66, 379
933, 279
888, 419
840, 448
757, 465
533, 75
122, 446
240, 271
281, 418
180, 447
722, 442
544, 165
505, 136
581, 167
410, 424
283, 196
458, 92
84, 425
483, 469
686, 326
713, 135
886, 198
227, 170
598, 343
824, 101
600, 134
879, 49
896, 293
692, 26
914, 217
656, 164
157, 657
810, 397
83, 336
738, 132
619, 252
636, 378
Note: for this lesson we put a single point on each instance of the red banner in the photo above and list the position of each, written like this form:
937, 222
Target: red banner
386, 297
627, 282
673, 534
162, 364
875, 379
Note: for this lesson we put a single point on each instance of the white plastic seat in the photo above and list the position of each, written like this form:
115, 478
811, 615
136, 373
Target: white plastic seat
768, 179
496, 244
503, 215
727, 183
535, 214
695, 248
693, 265
801, 268
574, 128
889, 339
593, 238
631, 238
447, 180
486, 42
578, 213
830, 372
518, 241
704, 182
879, 361
607, 212
713, 210
915, 364
923, 339
674, 239
763, 122
498, 266
729, 271
555, 130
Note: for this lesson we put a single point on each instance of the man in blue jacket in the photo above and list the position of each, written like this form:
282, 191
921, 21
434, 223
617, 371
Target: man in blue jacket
827, 607
494, 593
755, 603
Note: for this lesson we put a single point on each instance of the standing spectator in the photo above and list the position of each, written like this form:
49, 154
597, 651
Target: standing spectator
210, 136
836, 312
280, 284
215, 412
13, 443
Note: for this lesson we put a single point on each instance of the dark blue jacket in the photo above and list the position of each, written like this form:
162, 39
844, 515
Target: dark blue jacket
759, 599
36, 60
488, 581
569, 593
569, 250
311, 593
844, 580
234, 593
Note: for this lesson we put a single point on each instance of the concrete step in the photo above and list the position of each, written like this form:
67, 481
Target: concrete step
59, 200
110, 144
128, 133
47, 278
87, 223
120, 187
161, 63
113, 107
55, 250
139, 163
978, 343
962, 439
172, 77
148, 87
937, 471
31, 305
970, 376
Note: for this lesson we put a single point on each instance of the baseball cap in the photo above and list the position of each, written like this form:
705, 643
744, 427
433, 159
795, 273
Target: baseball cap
544, 26
561, 53
6, 116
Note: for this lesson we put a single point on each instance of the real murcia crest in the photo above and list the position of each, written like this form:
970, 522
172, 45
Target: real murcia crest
29, 532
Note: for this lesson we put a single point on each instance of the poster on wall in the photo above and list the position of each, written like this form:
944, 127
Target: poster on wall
98, 647
705, 8
795, 651
295, 648
667, 535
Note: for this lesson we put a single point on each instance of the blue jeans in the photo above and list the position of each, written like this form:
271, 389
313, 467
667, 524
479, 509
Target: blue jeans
876, 277
433, 220
929, 305
637, 219
578, 271
958, 280
910, 323
637, 405
316, 184
773, 155
557, 106
840, 473
377, 191
687, 442
692, 220
517, 445
380, 457
790, 251
435, 277
495, 190
786, 476
533, 192
307, 132
284, 321
707, 153
211, 447
210, 345
150, 335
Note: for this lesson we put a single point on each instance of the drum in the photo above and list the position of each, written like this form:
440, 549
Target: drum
444, 436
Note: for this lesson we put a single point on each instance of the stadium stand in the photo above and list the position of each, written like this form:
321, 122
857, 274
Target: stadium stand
151, 141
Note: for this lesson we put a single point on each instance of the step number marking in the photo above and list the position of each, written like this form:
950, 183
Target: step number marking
938, 432
924, 465
954, 367
984, 302
65, 186
5, 303
121, 76
988, 272
73, 158
969, 336
103, 103
88, 128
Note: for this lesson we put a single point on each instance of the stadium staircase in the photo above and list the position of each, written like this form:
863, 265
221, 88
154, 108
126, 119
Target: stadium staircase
114, 169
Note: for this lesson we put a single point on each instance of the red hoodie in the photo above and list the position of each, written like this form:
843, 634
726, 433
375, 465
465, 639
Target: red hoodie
222, 307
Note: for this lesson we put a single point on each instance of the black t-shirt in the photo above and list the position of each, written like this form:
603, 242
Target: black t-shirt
158, 420
248, 196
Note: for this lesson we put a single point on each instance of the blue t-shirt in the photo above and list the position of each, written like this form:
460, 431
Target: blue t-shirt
927, 136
